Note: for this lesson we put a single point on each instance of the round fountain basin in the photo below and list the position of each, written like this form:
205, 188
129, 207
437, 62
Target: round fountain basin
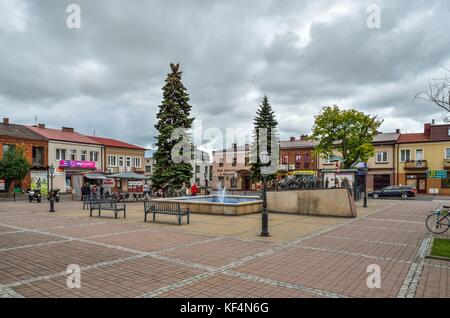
212, 204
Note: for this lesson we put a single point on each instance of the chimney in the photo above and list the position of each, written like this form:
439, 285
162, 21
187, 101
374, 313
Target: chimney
292, 138
68, 129
303, 137
427, 129
397, 131
5, 121
41, 125
432, 121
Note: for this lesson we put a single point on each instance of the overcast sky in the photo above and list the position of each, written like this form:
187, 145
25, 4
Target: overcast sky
303, 55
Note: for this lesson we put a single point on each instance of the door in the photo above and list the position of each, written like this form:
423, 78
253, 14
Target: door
422, 185
419, 158
246, 183
381, 181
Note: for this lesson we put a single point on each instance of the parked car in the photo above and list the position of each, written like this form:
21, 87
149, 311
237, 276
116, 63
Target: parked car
403, 192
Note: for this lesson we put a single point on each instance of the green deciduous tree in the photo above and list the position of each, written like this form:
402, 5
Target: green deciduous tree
265, 118
174, 113
349, 132
13, 166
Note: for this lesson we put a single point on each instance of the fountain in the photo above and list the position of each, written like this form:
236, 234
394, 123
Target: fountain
219, 203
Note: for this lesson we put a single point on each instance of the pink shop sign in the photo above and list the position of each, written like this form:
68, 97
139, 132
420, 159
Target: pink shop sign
77, 164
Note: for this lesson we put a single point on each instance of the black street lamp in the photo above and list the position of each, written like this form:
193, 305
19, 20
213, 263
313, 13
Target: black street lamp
51, 171
264, 157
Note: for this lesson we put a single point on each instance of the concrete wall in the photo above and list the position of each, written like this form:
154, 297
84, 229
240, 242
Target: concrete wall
326, 202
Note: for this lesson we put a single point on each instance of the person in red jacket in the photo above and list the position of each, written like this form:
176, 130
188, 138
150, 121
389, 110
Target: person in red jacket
194, 190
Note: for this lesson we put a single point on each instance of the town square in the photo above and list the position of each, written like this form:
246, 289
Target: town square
262, 151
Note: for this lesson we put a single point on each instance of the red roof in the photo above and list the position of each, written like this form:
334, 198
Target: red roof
63, 135
115, 143
411, 138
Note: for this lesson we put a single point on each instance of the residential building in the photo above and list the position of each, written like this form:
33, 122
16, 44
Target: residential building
119, 156
420, 153
35, 148
297, 157
72, 154
381, 167
148, 166
231, 168
202, 168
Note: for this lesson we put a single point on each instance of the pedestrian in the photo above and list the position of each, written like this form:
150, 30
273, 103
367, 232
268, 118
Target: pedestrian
146, 190
194, 190
101, 191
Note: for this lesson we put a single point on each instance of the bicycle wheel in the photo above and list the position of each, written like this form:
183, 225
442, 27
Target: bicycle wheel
437, 223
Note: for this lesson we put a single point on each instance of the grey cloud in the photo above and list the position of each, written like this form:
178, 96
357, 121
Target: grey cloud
108, 75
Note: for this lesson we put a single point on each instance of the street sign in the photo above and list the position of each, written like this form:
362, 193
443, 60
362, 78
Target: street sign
437, 174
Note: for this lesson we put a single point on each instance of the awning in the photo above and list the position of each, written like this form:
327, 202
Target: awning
128, 175
95, 176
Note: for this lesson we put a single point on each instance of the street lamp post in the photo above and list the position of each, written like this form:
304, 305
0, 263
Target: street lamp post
365, 188
264, 156
51, 171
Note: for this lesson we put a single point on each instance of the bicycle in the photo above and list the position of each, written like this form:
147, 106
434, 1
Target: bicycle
438, 221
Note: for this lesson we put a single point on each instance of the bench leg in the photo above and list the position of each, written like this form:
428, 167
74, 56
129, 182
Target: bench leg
179, 217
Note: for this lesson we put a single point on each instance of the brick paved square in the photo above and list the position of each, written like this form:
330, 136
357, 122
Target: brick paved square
153, 239
126, 279
225, 286
218, 252
25, 263
342, 274
19, 239
306, 256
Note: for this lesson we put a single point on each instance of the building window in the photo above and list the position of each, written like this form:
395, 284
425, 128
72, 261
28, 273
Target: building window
327, 160
382, 156
60, 154
148, 169
234, 162
8, 147
220, 162
93, 156
306, 158
247, 161
197, 180
419, 154
197, 169
128, 161
447, 153
38, 156
112, 161
405, 155
136, 162
298, 159
284, 159
206, 169
448, 132
121, 161
73, 154
83, 156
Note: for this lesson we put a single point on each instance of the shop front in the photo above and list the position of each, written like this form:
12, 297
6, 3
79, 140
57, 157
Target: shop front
72, 174
417, 181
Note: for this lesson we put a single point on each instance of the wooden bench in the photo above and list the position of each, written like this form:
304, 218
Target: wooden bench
109, 205
171, 208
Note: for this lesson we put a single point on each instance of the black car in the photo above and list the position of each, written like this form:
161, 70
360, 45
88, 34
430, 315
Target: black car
403, 192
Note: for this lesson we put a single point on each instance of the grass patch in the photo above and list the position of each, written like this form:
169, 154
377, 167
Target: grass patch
441, 247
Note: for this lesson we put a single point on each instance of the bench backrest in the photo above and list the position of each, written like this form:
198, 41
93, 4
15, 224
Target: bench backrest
162, 207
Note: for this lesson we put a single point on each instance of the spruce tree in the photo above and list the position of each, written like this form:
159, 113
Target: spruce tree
174, 112
265, 118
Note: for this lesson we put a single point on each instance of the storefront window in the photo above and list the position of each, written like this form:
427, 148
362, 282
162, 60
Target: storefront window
445, 183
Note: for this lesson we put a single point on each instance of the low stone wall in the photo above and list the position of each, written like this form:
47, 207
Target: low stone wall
326, 202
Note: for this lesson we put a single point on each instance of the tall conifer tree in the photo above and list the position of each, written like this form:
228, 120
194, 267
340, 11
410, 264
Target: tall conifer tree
174, 112
265, 118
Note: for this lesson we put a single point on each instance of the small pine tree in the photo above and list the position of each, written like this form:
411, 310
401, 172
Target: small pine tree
174, 113
13, 166
265, 118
